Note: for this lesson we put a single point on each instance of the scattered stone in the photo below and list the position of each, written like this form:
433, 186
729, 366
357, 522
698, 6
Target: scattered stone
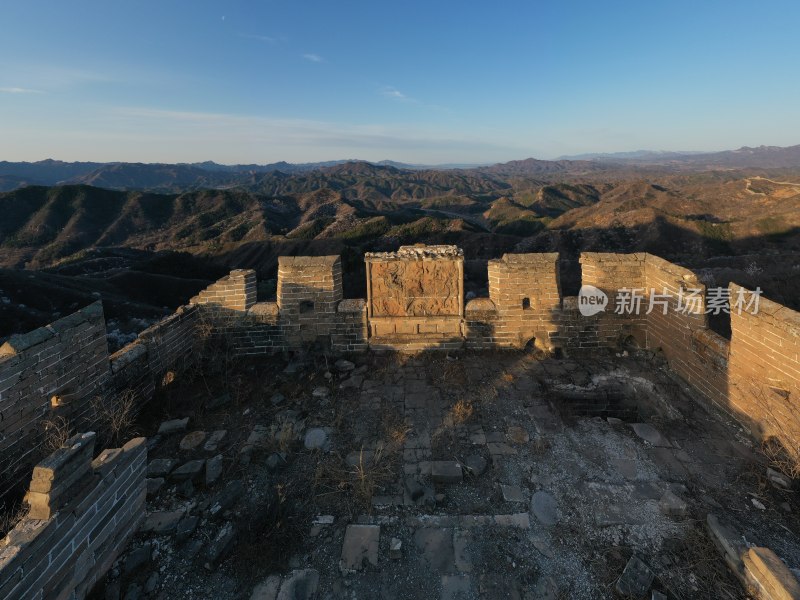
134, 592
727, 542
215, 440
138, 557
656, 595
185, 489
162, 522
173, 426
650, 434
300, 584
614, 421
324, 520
787, 508
439, 498
344, 366
354, 381
160, 467
321, 392
673, 506
779, 480
213, 469
259, 437
188, 471
275, 461
545, 508
154, 485
769, 575
267, 589
151, 584
359, 457
317, 439
395, 549
512, 493
186, 527
636, 578
226, 498
446, 471
277, 399
497, 449
218, 401
757, 504
219, 547
517, 435
475, 464
360, 543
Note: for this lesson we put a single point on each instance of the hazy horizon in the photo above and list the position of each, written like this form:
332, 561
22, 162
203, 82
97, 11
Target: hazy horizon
451, 83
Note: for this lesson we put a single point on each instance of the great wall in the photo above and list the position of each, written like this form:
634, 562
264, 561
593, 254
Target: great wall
86, 506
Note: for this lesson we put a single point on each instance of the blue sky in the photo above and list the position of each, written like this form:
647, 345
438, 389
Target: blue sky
429, 82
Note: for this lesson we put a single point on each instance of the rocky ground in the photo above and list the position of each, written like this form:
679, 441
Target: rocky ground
471, 476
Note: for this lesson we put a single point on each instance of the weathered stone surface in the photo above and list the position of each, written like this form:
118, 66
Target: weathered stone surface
300, 584
360, 544
316, 439
214, 441
636, 578
154, 485
267, 589
446, 471
160, 467
226, 498
395, 549
517, 435
343, 366
223, 542
192, 440
320, 392
173, 426
475, 464
512, 493
138, 557
545, 508
437, 548
186, 527
650, 434
727, 541
770, 575
190, 470
455, 587
673, 506
162, 522
214, 469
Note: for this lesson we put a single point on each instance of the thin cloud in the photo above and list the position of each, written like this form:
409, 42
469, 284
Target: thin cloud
19, 90
261, 38
396, 94
313, 57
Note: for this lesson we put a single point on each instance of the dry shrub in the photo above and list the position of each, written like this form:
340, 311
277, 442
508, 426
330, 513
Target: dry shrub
370, 475
462, 412
10, 516
780, 459
507, 377
114, 418
57, 430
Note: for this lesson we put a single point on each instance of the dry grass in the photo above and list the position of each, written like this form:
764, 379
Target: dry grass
462, 411
115, 418
57, 430
9, 517
507, 377
779, 458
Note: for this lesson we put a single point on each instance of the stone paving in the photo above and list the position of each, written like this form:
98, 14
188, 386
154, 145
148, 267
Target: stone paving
502, 488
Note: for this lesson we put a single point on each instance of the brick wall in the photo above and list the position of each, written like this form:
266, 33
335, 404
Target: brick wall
309, 291
236, 291
83, 513
526, 292
350, 333
764, 370
56, 369
168, 345
612, 272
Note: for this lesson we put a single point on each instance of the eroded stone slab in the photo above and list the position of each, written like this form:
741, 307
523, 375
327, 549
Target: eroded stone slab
446, 471
360, 544
650, 434
545, 508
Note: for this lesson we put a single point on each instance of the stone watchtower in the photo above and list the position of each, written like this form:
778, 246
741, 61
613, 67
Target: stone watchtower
309, 290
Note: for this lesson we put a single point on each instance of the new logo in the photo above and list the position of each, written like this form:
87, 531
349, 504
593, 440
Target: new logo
591, 300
